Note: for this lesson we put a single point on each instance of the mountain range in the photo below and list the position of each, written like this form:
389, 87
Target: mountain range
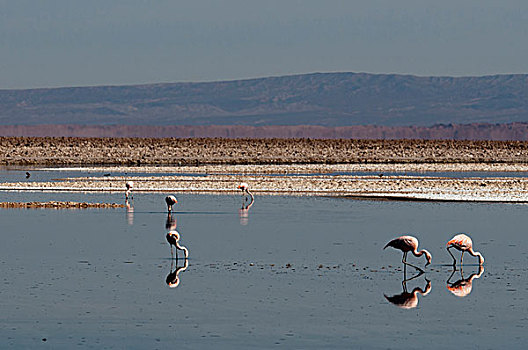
320, 99
326, 99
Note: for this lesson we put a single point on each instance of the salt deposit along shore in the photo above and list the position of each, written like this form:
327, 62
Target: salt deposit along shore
318, 180
352, 168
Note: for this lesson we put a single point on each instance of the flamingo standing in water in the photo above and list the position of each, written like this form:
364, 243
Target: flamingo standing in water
463, 243
173, 237
245, 190
128, 192
409, 244
170, 200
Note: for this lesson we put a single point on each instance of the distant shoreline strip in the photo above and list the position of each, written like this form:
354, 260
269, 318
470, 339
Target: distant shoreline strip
477, 131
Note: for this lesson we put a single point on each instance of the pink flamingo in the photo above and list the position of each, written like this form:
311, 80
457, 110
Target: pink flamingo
170, 200
245, 190
173, 237
409, 244
128, 192
463, 243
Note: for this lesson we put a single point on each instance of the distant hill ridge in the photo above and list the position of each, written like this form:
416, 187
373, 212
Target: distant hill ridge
324, 99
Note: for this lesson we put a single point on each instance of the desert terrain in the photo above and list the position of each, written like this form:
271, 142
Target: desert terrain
69, 151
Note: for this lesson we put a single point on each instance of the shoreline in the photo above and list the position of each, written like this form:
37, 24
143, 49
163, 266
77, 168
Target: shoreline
292, 181
386, 169
68, 151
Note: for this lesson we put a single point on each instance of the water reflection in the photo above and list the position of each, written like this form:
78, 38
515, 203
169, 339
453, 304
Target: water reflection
173, 279
243, 213
406, 300
129, 212
463, 286
170, 224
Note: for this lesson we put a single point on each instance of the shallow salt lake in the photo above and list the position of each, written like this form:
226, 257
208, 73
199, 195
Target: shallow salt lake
293, 272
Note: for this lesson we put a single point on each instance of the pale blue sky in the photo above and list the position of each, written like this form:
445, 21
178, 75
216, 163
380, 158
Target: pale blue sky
100, 42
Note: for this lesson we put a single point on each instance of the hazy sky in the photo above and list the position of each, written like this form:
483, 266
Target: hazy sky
99, 42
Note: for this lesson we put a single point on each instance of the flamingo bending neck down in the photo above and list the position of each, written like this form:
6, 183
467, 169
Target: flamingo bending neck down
170, 200
409, 244
173, 237
463, 243
245, 190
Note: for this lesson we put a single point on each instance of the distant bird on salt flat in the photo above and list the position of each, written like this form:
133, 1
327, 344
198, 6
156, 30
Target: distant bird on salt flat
463, 243
128, 192
170, 200
409, 244
244, 187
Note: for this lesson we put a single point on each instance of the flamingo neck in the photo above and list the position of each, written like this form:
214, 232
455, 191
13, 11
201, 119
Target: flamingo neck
418, 253
250, 195
473, 253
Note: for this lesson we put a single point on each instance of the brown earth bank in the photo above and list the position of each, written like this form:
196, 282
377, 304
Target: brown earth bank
476, 131
201, 151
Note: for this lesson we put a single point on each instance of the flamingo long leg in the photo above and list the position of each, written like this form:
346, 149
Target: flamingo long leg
461, 259
454, 260
413, 277
452, 273
406, 263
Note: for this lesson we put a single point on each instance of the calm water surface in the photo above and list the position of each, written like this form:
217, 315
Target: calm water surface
17, 174
294, 272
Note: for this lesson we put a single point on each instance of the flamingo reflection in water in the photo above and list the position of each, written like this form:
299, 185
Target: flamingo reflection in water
173, 237
170, 224
243, 213
129, 212
463, 286
173, 279
406, 300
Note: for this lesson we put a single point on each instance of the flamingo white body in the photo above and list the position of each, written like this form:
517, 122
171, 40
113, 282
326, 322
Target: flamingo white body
173, 237
170, 200
409, 244
463, 243
128, 192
